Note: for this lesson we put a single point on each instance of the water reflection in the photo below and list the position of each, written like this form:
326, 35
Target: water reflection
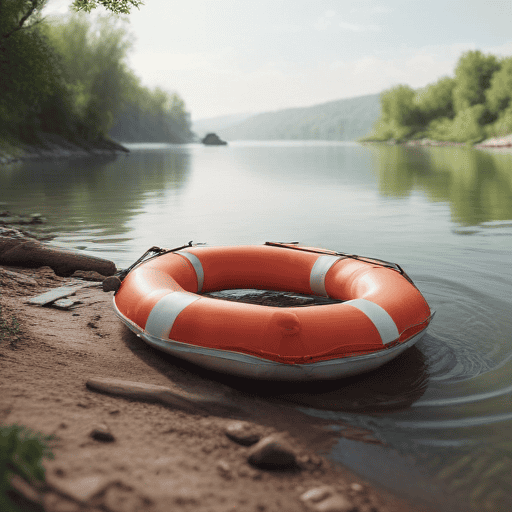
477, 184
96, 196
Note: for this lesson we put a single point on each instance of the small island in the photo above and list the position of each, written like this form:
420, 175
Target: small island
212, 139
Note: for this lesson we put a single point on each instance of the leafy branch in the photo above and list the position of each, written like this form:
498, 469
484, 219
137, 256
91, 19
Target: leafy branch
114, 6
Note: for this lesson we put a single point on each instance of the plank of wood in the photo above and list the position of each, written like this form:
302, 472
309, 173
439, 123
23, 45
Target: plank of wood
57, 293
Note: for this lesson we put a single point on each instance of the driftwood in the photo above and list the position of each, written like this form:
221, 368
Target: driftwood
176, 399
29, 252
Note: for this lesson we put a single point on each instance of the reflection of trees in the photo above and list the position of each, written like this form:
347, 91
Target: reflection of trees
477, 184
102, 192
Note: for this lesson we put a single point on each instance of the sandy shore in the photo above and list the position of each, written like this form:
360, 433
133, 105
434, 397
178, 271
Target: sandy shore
119, 455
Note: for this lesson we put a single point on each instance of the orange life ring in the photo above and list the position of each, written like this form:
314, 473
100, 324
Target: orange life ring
381, 315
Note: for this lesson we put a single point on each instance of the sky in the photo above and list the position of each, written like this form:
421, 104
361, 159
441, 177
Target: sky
227, 57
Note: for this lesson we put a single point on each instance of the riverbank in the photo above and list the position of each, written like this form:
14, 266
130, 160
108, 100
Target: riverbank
54, 146
126, 454
493, 142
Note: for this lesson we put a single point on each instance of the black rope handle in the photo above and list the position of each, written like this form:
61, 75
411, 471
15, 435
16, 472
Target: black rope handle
157, 251
382, 263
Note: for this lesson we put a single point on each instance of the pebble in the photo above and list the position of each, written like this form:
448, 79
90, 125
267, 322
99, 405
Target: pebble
102, 434
356, 487
111, 284
243, 433
317, 494
325, 499
63, 304
272, 452
80, 489
224, 469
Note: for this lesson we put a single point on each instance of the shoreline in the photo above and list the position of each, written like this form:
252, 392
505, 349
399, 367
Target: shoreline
120, 452
53, 146
504, 142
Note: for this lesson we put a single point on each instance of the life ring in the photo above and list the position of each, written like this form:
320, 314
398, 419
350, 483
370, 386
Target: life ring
381, 315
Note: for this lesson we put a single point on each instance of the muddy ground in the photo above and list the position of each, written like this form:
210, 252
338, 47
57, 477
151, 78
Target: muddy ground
116, 454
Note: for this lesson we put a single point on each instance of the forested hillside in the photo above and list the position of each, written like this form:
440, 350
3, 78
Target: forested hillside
71, 78
347, 119
473, 105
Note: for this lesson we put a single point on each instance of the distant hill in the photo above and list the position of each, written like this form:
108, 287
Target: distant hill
203, 126
347, 119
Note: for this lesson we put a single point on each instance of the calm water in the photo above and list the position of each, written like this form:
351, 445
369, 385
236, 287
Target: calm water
443, 410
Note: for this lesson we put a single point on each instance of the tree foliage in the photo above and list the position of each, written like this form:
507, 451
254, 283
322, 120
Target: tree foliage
436, 100
115, 6
474, 104
472, 77
93, 61
71, 77
499, 94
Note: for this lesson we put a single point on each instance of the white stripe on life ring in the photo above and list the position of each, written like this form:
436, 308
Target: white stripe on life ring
197, 267
380, 318
165, 311
319, 271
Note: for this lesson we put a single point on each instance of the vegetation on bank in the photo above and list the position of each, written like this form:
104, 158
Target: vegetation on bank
473, 105
21, 454
71, 78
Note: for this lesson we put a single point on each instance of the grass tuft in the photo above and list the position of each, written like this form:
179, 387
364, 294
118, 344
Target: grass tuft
9, 329
21, 454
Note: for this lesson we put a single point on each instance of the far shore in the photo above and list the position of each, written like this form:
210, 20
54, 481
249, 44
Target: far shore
52, 147
492, 143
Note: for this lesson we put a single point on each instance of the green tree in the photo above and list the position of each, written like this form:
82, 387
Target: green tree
29, 69
499, 93
400, 115
398, 105
436, 100
473, 77
94, 66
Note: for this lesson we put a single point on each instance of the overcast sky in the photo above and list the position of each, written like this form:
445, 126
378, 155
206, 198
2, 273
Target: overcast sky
246, 56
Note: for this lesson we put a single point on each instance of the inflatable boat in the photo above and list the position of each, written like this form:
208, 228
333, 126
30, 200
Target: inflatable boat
375, 314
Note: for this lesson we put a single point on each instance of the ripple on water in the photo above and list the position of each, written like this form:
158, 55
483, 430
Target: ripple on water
445, 403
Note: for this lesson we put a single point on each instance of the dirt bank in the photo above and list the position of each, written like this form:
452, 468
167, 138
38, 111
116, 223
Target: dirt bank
119, 455
51, 145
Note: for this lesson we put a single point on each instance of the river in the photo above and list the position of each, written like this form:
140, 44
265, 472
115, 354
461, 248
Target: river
443, 410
